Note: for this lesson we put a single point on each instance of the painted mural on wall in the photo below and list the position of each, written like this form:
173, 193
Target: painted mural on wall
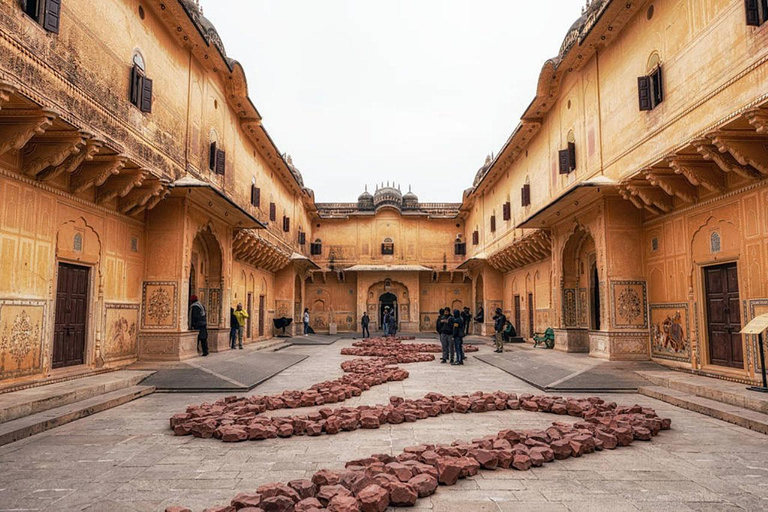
21, 343
670, 331
629, 300
121, 327
159, 302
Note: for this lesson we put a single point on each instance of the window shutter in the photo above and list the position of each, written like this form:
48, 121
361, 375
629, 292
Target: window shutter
460, 249
212, 157
753, 12
563, 158
493, 223
146, 95
272, 212
255, 196
507, 211
316, 249
526, 195
302, 238
644, 93
658, 87
52, 15
221, 161
571, 156
286, 224
475, 237
136, 80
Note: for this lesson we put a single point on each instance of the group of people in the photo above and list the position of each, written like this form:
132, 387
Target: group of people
452, 328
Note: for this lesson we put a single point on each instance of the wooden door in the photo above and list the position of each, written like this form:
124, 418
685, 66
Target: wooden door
518, 327
261, 316
71, 311
249, 310
724, 315
530, 315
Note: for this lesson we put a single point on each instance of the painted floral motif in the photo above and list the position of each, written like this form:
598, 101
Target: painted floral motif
629, 305
160, 305
19, 339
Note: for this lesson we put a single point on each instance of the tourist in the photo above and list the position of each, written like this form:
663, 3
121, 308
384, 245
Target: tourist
457, 327
499, 321
233, 328
480, 316
198, 322
445, 328
385, 321
305, 318
509, 332
241, 316
392, 324
365, 321
467, 317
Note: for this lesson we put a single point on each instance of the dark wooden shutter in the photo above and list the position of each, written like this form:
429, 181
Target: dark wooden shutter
571, 156
526, 195
255, 196
562, 158
136, 79
644, 93
146, 95
52, 15
493, 223
221, 161
272, 212
475, 237
286, 224
302, 238
507, 211
753, 12
460, 249
212, 157
316, 249
658, 87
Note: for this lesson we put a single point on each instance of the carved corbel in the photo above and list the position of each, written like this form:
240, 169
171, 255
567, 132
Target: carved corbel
673, 184
50, 150
139, 197
758, 118
6, 91
699, 173
96, 172
17, 130
120, 185
637, 201
725, 161
651, 196
746, 148
73, 162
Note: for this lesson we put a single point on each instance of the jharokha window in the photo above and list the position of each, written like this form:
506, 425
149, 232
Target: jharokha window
141, 86
388, 247
45, 12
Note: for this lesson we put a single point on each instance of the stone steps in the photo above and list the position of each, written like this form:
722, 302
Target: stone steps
741, 416
27, 402
30, 425
723, 391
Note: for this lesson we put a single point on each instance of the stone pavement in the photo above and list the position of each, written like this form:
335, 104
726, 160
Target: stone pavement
127, 458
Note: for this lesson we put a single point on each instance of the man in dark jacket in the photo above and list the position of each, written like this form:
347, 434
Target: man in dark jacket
234, 327
499, 322
393, 324
365, 322
467, 317
198, 321
445, 328
480, 316
457, 325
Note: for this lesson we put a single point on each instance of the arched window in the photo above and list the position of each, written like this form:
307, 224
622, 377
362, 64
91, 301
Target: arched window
316, 248
650, 88
217, 157
141, 85
388, 247
714, 242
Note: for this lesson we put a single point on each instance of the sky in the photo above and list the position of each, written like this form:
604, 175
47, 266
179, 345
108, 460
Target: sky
415, 92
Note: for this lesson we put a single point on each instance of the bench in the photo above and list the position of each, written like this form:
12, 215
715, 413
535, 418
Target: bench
547, 338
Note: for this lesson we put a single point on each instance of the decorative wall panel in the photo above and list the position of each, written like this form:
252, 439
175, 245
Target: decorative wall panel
121, 325
670, 331
159, 301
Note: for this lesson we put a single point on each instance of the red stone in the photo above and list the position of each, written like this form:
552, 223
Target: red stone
343, 504
521, 462
327, 492
425, 485
561, 448
326, 477
402, 495
304, 488
448, 470
278, 504
402, 472
245, 499
309, 505
277, 489
373, 498
486, 458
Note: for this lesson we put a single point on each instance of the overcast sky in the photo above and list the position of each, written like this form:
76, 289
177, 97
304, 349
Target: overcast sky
411, 91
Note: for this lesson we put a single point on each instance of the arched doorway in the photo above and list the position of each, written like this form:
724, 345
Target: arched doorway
581, 290
205, 278
479, 302
387, 300
297, 301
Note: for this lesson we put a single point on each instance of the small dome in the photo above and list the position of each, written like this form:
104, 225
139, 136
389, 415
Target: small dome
365, 200
296, 173
410, 200
387, 195
483, 170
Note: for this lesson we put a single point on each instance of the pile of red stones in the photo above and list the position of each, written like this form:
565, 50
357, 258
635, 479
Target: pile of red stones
393, 347
374, 483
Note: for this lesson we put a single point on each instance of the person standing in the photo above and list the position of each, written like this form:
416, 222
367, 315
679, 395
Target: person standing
305, 318
241, 316
385, 321
364, 322
499, 322
393, 324
467, 317
233, 328
457, 325
198, 321
445, 328
480, 316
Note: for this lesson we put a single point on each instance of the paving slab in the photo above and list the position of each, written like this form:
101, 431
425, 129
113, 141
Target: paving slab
314, 339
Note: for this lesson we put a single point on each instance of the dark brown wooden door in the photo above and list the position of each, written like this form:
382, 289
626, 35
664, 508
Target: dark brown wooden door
530, 315
249, 310
724, 316
71, 310
261, 315
518, 327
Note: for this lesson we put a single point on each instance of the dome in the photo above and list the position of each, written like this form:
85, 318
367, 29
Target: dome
410, 200
482, 171
296, 173
387, 195
365, 200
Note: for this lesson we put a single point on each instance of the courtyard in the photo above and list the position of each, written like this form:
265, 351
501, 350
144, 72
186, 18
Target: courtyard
127, 458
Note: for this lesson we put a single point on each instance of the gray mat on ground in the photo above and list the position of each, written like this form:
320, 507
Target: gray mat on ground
549, 376
222, 373
314, 339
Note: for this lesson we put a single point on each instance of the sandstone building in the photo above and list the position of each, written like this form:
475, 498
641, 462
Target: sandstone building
627, 210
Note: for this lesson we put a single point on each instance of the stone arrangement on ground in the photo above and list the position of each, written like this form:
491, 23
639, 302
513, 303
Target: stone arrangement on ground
374, 483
